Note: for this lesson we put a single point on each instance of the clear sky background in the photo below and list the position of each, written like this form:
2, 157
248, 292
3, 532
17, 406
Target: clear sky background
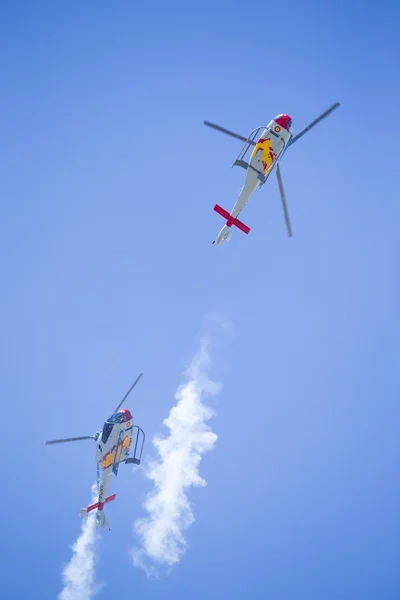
108, 179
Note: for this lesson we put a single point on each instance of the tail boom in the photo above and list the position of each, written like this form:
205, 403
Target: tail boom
231, 220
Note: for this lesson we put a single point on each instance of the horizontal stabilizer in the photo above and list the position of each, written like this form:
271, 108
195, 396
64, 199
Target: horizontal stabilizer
231, 220
99, 505
221, 211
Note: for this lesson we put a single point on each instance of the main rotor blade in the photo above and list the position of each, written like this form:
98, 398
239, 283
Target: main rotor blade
283, 198
325, 114
231, 133
127, 393
75, 439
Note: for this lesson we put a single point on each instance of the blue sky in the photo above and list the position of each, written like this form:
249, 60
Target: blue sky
108, 179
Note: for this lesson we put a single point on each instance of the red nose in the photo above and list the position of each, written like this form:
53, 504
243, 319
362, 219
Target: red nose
127, 414
284, 121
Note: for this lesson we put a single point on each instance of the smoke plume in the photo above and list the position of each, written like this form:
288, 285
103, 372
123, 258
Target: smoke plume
176, 470
79, 574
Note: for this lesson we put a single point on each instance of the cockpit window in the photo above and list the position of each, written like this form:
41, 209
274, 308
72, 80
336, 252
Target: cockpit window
107, 429
117, 418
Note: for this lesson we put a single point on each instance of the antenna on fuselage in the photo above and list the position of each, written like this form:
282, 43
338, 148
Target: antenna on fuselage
127, 393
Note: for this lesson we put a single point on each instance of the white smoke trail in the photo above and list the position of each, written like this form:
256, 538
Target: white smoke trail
176, 470
79, 574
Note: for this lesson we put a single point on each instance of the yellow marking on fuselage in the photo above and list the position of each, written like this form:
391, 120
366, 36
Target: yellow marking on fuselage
127, 442
108, 460
268, 155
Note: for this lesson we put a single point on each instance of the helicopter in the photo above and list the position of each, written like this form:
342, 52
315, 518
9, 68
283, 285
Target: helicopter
113, 448
268, 148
